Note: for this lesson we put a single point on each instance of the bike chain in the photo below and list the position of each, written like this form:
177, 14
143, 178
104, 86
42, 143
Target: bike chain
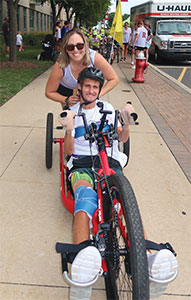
115, 248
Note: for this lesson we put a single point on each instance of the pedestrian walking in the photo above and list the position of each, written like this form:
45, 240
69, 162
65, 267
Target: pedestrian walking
126, 39
65, 28
19, 41
6, 35
148, 40
58, 36
134, 31
76, 56
140, 38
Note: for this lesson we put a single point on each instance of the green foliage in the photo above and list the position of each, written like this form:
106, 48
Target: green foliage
34, 38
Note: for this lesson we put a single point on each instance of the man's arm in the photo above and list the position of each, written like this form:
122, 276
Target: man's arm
123, 133
68, 143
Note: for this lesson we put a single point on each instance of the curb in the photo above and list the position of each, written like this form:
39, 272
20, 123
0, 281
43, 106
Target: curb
188, 90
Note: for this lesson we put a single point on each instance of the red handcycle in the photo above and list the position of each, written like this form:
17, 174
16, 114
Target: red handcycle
117, 227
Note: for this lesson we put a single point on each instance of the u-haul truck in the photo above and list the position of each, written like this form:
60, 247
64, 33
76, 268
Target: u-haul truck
171, 27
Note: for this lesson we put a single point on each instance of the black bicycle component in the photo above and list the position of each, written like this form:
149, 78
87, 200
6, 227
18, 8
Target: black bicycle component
126, 259
49, 140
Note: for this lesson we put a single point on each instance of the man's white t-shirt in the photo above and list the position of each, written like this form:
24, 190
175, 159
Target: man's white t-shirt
81, 146
141, 41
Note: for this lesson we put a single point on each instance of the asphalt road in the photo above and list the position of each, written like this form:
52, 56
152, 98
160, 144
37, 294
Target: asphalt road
179, 70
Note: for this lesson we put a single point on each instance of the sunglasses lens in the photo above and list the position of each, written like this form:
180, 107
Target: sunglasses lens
71, 47
80, 46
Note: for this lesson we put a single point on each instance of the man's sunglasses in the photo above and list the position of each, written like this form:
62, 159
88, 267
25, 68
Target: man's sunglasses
71, 47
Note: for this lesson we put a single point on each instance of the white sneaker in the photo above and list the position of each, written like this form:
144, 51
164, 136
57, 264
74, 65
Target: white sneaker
86, 265
133, 67
162, 270
132, 63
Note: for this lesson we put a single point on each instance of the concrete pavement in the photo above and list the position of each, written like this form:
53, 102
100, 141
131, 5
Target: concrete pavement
33, 218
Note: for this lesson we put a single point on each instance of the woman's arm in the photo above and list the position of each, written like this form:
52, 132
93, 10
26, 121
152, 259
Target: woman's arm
52, 85
108, 72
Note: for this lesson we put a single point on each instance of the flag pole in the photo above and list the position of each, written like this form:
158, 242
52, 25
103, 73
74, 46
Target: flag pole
112, 47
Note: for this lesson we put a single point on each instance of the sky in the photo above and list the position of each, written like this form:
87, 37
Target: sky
125, 6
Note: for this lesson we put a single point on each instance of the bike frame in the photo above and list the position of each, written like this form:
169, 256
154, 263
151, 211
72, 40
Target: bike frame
104, 170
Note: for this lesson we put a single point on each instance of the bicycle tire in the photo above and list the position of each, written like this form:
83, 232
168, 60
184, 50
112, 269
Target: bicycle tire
126, 149
49, 140
127, 276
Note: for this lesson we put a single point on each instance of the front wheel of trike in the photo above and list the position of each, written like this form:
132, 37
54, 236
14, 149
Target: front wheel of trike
126, 259
49, 140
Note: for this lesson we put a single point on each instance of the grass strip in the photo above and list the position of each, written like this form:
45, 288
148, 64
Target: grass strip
13, 80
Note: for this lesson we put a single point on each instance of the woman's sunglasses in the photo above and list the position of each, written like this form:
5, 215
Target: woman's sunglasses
71, 47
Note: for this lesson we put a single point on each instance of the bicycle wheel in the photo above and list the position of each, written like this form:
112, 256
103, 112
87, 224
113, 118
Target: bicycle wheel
49, 140
126, 149
126, 259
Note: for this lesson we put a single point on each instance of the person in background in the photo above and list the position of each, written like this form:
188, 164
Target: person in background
126, 40
131, 44
140, 38
65, 28
58, 36
94, 41
148, 40
76, 56
6, 35
19, 41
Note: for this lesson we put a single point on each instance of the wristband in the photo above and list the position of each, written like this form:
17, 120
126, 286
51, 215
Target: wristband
66, 101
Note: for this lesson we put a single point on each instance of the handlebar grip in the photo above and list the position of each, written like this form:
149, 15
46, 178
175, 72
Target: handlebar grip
134, 116
63, 114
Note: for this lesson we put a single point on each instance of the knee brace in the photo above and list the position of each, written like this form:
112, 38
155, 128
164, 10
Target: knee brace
86, 200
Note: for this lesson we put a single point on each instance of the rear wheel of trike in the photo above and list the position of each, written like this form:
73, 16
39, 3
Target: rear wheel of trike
49, 140
126, 259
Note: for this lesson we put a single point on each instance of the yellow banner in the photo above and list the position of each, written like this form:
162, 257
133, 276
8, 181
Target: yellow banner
117, 25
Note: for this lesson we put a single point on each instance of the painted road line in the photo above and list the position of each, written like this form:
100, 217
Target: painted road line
182, 74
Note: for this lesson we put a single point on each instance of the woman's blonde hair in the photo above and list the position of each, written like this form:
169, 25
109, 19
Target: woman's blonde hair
64, 59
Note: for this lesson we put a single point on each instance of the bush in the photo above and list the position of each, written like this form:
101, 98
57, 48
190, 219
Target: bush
1, 43
34, 38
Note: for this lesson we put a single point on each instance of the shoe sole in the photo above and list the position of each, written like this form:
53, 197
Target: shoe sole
164, 267
84, 270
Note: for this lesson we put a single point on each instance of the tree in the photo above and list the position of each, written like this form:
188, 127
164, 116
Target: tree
12, 8
91, 12
88, 12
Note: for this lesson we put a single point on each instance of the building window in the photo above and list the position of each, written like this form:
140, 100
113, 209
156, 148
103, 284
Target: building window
31, 19
41, 22
44, 22
18, 14
24, 19
37, 21
51, 22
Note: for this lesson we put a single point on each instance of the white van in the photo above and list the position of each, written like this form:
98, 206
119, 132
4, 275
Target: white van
171, 27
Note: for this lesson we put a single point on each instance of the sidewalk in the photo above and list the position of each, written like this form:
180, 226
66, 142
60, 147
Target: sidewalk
33, 218
169, 107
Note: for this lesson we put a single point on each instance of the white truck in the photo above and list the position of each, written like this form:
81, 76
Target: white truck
170, 22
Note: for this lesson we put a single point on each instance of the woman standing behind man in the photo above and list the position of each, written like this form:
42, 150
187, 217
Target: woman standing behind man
126, 40
76, 56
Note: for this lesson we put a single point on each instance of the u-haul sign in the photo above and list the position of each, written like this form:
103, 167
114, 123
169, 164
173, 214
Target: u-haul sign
163, 9
170, 10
